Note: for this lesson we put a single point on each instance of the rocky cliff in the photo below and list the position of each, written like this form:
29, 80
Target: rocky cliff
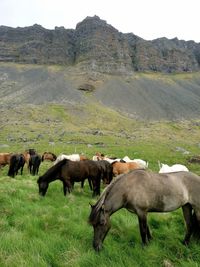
97, 46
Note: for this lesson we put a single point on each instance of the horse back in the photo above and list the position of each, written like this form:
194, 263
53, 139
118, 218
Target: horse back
124, 167
79, 170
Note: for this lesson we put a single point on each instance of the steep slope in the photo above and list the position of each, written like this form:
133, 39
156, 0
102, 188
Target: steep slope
141, 96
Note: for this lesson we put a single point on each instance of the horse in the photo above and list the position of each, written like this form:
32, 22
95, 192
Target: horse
107, 171
49, 156
27, 157
164, 168
5, 159
124, 167
141, 192
99, 156
34, 163
72, 157
143, 164
69, 172
17, 162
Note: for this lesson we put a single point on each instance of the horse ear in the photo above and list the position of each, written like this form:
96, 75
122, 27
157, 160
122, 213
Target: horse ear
91, 205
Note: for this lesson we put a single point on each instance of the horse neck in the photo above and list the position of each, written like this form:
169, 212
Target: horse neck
111, 199
53, 173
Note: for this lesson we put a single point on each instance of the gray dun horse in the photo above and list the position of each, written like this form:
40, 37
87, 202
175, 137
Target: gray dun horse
141, 192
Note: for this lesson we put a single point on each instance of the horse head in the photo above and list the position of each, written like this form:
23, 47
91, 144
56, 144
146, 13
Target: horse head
100, 221
43, 186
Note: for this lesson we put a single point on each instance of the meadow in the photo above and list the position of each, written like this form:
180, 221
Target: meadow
54, 230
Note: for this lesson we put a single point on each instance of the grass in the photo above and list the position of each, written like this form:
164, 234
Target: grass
53, 231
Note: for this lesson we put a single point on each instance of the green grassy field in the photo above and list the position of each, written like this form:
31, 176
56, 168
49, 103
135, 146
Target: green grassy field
53, 231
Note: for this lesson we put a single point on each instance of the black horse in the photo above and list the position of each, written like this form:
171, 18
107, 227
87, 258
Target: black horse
34, 164
70, 172
107, 171
17, 162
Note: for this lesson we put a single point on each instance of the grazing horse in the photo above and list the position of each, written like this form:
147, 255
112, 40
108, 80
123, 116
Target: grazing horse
27, 157
124, 167
99, 156
17, 162
141, 192
49, 156
34, 164
107, 171
164, 168
69, 172
5, 159
143, 164
73, 157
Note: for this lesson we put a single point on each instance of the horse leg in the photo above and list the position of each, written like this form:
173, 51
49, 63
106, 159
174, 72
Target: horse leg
67, 187
149, 236
142, 217
82, 183
187, 213
90, 184
96, 185
196, 223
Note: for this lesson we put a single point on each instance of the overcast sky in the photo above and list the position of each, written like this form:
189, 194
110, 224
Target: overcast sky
149, 19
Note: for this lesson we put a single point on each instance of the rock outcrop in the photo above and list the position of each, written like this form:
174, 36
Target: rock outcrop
97, 46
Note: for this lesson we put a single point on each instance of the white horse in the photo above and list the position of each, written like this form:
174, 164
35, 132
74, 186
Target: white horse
164, 168
72, 157
143, 164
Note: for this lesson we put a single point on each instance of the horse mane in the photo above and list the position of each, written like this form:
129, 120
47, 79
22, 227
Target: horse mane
51, 171
100, 202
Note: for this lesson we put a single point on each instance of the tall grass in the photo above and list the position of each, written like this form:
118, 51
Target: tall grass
53, 230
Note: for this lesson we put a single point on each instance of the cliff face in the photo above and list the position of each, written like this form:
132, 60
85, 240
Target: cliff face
96, 46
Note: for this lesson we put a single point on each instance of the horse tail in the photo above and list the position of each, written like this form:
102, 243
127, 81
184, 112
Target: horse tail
196, 226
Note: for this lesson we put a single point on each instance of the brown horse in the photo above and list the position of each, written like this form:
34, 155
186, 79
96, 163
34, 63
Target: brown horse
49, 156
5, 159
141, 192
70, 172
27, 157
124, 167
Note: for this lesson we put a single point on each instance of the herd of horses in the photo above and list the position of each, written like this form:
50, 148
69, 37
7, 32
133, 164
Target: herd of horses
134, 188
16, 161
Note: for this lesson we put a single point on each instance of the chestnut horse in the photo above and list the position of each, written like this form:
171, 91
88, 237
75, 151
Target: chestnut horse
141, 192
49, 156
5, 159
124, 167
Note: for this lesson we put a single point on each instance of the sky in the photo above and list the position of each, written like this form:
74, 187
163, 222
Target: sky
148, 19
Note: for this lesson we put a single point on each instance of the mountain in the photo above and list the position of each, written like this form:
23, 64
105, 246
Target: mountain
97, 46
95, 67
